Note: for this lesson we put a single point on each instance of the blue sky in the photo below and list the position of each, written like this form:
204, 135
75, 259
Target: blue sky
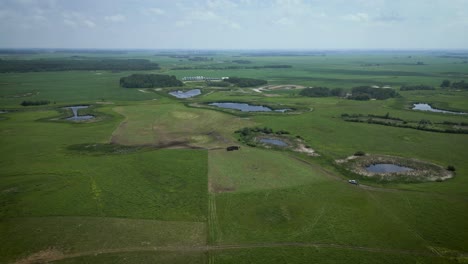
235, 24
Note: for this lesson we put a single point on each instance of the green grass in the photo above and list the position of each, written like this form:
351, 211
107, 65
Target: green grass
123, 200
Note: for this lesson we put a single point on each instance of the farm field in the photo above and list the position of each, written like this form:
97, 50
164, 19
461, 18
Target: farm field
149, 179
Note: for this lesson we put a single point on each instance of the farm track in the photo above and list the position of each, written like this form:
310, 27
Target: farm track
213, 225
56, 256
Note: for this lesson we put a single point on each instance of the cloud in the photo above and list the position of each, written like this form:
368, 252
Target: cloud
69, 23
155, 11
225, 4
115, 18
89, 23
358, 17
284, 21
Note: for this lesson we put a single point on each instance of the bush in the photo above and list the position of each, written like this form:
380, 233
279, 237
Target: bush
359, 153
41, 102
450, 168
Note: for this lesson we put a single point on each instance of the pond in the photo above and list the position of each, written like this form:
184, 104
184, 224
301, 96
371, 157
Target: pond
77, 117
247, 107
428, 107
387, 168
187, 94
274, 141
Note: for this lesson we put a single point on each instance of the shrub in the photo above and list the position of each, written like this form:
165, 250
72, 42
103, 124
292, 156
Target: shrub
451, 168
359, 153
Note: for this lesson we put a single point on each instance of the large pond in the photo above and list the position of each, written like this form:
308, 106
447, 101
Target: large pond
247, 107
274, 141
428, 107
187, 94
387, 168
77, 117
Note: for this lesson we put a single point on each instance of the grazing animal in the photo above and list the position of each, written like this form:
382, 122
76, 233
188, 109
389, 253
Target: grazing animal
232, 148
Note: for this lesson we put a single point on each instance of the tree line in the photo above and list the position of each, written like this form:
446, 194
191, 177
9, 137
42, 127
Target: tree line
456, 85
149, 81
41, 65
322, 92
416, 87
275, 66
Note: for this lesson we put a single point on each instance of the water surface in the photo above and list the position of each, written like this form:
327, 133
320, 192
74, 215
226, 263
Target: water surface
187, 94
77, 117
387, 168
428, 107
247, 107
274, 141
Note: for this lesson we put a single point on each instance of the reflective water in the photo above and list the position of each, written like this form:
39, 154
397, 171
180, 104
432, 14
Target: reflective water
187, 94
77, 117
247, 107
427, 107
387, 168
274, 141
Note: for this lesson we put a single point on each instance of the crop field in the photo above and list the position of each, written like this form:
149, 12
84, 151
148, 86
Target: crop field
149, 178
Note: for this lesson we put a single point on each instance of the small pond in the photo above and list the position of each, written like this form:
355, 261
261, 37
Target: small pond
427, 107
387, 168
247, 107
77, 117
274, 141
187, 94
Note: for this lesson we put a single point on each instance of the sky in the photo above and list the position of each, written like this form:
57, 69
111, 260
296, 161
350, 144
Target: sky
234, 24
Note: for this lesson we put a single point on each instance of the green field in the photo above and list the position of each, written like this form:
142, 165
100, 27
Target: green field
150, 180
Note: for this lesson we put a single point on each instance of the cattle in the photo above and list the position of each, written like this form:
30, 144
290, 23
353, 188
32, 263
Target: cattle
232, 148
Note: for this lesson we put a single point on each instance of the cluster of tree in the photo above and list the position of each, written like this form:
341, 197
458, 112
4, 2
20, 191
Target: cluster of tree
218, 84
364, 93
245, 82
247, 134
322, 92
274, 66
242, 61
456, 85
423, 124
149, 81
416, 87
39, 102
76, 65
248, 131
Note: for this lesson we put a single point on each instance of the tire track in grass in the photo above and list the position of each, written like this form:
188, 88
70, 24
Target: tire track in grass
213, 225
55, 255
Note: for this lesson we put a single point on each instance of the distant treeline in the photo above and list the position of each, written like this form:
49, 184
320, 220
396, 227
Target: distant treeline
456, 85
416, 87
217, 84
322, 92
76, 65
363, 93
149, 81
245, 82
280, 66
39, 102
423, 124
242, 61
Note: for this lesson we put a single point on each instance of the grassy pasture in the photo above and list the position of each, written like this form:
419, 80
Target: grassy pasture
135, 204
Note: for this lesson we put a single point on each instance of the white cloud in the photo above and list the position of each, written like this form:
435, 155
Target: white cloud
358, 17
89, 23
284, 21
69, 23
224, 4
155, 11
115, 18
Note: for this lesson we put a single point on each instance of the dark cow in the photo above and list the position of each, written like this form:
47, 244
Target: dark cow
232, 148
